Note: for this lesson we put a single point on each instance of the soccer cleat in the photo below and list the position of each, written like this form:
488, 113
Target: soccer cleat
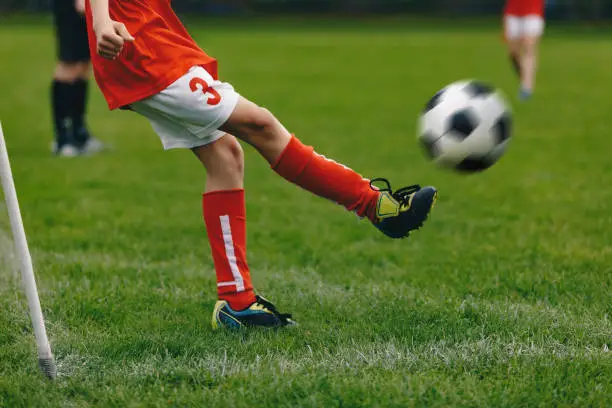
66, 150
261, 313
404, 210
525, 94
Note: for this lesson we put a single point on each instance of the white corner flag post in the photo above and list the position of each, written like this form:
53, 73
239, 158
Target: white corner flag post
45, 357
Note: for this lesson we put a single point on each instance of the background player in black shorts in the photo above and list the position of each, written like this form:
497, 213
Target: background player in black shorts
70, 80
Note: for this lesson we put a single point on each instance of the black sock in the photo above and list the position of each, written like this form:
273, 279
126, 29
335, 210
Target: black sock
61, 98
79, 106
516, 64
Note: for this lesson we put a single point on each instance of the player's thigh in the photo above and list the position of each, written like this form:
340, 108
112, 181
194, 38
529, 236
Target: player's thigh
249, 121
189, 112
249, 118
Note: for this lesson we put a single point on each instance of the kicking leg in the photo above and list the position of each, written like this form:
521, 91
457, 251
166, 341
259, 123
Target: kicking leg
395, 214
298, 163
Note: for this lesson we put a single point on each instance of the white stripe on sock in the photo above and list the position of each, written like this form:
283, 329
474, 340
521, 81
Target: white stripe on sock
230, 254
220, 284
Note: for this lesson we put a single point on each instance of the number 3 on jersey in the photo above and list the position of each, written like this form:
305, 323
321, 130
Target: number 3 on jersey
199, 84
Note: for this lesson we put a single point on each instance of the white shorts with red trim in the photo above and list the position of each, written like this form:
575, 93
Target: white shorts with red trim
190, 111
526, 26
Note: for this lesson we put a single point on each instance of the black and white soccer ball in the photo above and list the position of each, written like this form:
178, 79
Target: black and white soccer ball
466, 126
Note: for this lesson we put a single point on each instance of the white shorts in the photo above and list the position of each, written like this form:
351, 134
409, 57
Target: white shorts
520, 27
190, 111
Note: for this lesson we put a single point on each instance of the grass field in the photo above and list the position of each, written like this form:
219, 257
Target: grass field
503, 300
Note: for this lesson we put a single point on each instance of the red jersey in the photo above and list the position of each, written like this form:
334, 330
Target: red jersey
161, 53
522, 8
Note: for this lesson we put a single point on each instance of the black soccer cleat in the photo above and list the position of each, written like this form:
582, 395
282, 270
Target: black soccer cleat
261, 313
404, 210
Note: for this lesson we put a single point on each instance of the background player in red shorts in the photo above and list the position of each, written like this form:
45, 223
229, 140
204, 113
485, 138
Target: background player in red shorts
524, 26
145, 60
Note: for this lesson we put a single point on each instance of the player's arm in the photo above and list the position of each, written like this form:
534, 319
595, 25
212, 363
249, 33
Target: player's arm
110, 34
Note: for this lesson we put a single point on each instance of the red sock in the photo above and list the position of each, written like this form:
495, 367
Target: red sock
225, 218
324, 177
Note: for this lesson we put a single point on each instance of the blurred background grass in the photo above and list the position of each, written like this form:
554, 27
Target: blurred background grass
502, 300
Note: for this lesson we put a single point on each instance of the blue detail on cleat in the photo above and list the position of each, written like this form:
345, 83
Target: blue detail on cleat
404, 210
262, 313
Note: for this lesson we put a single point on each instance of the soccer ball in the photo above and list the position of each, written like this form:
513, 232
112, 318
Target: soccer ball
466, 126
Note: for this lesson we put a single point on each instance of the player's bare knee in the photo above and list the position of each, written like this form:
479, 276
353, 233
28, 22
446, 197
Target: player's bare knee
83, 70
230, 153
222, 159
67, 72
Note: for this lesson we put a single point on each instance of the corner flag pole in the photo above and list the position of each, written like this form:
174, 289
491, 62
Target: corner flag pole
45, 357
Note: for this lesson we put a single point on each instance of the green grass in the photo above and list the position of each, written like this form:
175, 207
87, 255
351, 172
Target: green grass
503, 300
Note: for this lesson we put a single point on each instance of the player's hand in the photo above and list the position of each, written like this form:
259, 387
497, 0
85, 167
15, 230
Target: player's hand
110, 37
79, 6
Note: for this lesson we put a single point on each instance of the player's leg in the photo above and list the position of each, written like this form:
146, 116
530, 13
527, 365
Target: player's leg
79, 103
514, 53
529, 63
183, 119
225, 218
70, 82
291, 159
534, 27
62, 86
512, 28
223, 160
64, 77
395, 214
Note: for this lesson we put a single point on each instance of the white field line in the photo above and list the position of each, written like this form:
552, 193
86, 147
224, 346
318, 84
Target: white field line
381, 356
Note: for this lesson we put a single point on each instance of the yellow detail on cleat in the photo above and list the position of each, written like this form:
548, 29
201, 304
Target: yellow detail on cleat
406, 207
387, 206
217, 311
218, 306
257, 306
